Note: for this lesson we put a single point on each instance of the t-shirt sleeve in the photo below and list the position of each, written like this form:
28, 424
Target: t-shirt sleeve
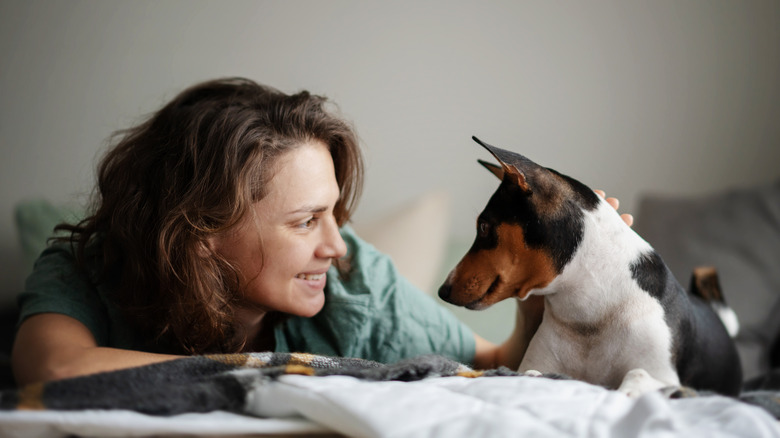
56, 285
375, 313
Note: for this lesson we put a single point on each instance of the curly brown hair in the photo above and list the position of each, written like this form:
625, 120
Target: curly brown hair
190, 171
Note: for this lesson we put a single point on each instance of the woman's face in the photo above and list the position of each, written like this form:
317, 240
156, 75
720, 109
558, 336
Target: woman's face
284, 247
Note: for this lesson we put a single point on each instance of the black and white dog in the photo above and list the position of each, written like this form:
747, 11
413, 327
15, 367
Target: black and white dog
614, 315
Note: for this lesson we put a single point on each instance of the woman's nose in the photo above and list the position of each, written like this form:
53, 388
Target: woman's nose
333, 246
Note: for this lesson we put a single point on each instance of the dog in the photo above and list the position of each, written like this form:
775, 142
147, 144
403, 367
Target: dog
613, 313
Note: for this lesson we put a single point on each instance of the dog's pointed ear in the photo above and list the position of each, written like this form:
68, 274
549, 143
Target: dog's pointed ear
496, 170
507, 170
518, 179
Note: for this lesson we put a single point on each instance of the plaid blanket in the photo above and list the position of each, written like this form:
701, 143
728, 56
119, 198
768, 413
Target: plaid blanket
223, 382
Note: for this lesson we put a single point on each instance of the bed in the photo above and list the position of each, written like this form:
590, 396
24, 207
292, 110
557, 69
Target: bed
266, 394
301, 394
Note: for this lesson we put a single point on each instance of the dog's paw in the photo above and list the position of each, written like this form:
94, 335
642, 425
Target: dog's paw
639, 381
532, 373
679, 392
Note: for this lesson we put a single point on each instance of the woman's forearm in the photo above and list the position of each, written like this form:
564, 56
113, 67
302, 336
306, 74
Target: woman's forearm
51, 346
511, 352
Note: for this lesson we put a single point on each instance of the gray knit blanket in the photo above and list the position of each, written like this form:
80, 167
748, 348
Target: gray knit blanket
201, 384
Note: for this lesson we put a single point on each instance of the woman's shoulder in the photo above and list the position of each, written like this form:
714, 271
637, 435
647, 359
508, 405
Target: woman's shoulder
374, 289
365, 274
62, 257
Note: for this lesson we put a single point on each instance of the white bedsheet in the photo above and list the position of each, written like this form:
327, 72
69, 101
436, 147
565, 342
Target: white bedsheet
446, 406
127, 423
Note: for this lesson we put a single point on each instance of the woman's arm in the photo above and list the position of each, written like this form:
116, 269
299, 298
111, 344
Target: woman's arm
51, 346
509, 354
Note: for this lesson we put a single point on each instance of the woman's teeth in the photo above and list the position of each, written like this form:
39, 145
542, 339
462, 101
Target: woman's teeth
310, 277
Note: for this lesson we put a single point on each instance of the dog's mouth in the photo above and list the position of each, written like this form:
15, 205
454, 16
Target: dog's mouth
476, 304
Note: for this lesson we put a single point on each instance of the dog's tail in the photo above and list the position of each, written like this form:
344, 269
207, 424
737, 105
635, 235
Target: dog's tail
705, 285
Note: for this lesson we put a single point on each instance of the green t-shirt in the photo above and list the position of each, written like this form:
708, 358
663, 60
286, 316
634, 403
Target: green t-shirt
373, 314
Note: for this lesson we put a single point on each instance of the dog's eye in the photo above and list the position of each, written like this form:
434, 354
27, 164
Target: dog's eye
483, 228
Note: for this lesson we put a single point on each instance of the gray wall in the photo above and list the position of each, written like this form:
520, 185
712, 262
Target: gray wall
633, 97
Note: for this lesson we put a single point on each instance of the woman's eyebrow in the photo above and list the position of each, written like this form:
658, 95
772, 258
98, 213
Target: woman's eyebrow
310, 209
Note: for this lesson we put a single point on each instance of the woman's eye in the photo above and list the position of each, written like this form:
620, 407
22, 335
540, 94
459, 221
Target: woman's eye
308, 223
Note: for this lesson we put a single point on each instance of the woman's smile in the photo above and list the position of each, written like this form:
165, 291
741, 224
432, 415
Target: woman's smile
311, 277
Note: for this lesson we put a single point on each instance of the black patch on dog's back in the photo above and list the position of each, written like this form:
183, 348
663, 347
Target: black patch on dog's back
650, 273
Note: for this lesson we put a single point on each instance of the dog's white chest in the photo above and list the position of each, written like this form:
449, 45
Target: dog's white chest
598, 323
602, 353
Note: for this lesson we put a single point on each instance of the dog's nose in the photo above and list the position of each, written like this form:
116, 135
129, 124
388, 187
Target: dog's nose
445, 291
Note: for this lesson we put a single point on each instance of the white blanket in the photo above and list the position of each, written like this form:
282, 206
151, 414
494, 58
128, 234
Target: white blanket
439, 406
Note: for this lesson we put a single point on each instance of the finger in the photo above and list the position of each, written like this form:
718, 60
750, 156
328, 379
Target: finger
628, 219
613, 202
601, 193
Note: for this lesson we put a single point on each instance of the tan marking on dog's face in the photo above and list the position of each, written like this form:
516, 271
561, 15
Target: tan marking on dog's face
487, 276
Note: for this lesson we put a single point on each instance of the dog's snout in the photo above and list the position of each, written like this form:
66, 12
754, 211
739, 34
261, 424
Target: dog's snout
445, 291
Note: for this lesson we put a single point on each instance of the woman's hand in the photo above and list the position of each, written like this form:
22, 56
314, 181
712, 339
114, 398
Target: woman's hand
510, 353
615, 203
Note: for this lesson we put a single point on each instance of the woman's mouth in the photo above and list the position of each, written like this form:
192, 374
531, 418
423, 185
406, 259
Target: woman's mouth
310, 277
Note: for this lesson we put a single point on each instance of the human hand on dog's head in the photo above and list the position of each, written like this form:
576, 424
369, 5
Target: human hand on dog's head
615, 203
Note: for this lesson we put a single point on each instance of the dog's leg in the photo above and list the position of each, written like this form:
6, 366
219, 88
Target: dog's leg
638, 381
546, 354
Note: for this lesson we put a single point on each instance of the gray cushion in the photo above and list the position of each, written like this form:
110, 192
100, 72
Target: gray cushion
738, 232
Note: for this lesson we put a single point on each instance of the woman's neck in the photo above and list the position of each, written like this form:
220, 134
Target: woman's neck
256, 327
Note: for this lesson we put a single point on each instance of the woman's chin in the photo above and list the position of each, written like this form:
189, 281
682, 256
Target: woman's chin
310, 308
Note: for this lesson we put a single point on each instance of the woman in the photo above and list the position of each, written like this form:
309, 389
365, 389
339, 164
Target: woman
218, 226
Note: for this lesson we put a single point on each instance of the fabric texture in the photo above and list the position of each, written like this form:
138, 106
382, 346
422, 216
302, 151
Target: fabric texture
374, 313
423, 396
